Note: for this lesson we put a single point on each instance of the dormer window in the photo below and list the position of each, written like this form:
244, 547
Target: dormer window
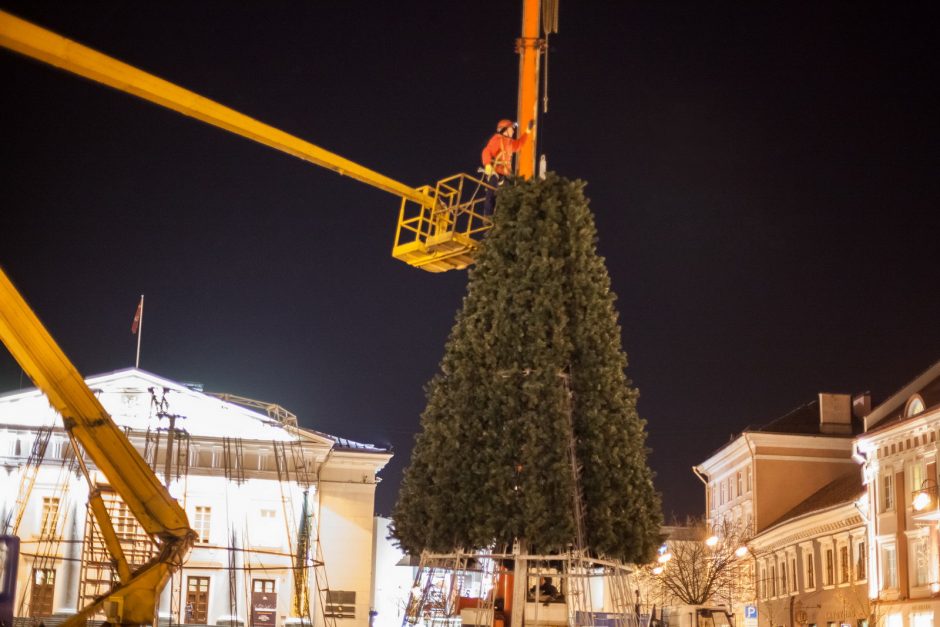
915, 405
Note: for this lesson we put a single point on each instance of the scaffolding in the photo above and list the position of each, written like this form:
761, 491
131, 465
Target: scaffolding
98, 574
46, 553
30, 471
290, 459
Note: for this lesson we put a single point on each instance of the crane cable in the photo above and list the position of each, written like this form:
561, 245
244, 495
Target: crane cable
549, 25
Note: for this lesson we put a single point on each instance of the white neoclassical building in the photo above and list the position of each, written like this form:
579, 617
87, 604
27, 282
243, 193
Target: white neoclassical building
257, 488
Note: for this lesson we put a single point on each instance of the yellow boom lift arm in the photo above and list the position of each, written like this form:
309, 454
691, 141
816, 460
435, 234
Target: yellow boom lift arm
134, 599
439, 226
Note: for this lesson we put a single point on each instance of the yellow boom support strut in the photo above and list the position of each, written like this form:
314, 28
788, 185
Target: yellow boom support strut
437, 230
134, 600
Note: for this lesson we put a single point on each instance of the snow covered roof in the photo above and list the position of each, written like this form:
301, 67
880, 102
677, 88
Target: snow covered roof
128, 395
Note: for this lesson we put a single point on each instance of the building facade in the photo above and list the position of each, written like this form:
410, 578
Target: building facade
257, 489
812, 567
788, 491
899, 455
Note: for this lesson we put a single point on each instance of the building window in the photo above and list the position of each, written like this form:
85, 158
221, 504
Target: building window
340, 604
50, 517
915, 405
783, 577
922, 619
889, 555
844, 564
41, 592
197, 600
724, 492
748, 477
887, 492
740, 484
810, 571
921, 554
773, 581
918, 473
793, 579
830, 569
202, 523
125, 525
860, 573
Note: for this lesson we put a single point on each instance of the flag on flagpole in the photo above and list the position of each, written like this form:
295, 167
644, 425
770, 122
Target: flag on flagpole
136, 323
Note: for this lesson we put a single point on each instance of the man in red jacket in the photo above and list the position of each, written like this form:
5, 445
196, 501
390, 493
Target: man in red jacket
497, 158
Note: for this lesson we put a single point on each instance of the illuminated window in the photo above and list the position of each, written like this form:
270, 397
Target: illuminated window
860, 573
202, 523
921, 552
50, 517
915, 405
740, 484
748, 478
844, 564
887, 492
810, 571
918, 473
889, 556
830, 568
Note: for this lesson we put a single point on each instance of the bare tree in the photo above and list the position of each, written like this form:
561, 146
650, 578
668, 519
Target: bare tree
700, 566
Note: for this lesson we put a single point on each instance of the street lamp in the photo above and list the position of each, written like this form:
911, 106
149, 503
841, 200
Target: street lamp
711, 541
741, 551
923, 498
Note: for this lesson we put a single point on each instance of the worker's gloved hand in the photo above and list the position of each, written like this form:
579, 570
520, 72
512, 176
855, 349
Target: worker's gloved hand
531, 126
488, 170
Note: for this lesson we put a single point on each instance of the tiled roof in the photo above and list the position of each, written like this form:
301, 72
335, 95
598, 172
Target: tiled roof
845, 489
804, 420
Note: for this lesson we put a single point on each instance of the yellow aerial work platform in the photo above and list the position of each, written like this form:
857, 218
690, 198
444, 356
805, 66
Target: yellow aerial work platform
443, 236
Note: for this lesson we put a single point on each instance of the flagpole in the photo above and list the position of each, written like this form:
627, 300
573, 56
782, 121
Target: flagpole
140, 331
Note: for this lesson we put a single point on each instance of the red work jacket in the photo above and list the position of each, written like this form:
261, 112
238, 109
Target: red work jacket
498, 152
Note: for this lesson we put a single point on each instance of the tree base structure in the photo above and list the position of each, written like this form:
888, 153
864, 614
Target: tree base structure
563, 589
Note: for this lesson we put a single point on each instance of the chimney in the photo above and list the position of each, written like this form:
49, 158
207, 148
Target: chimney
835, 414
861, 405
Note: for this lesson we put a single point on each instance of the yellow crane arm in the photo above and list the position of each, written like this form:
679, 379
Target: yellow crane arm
36, 42
106, 445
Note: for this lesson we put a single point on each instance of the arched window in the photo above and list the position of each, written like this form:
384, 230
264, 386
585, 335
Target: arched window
915, 405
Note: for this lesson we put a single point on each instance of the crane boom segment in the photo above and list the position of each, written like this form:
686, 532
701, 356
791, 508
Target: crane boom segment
44, 45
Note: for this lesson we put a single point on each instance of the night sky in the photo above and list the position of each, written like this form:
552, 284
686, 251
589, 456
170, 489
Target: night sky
764, 176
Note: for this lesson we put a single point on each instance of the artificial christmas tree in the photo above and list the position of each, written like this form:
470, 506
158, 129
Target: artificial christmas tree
534, 362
